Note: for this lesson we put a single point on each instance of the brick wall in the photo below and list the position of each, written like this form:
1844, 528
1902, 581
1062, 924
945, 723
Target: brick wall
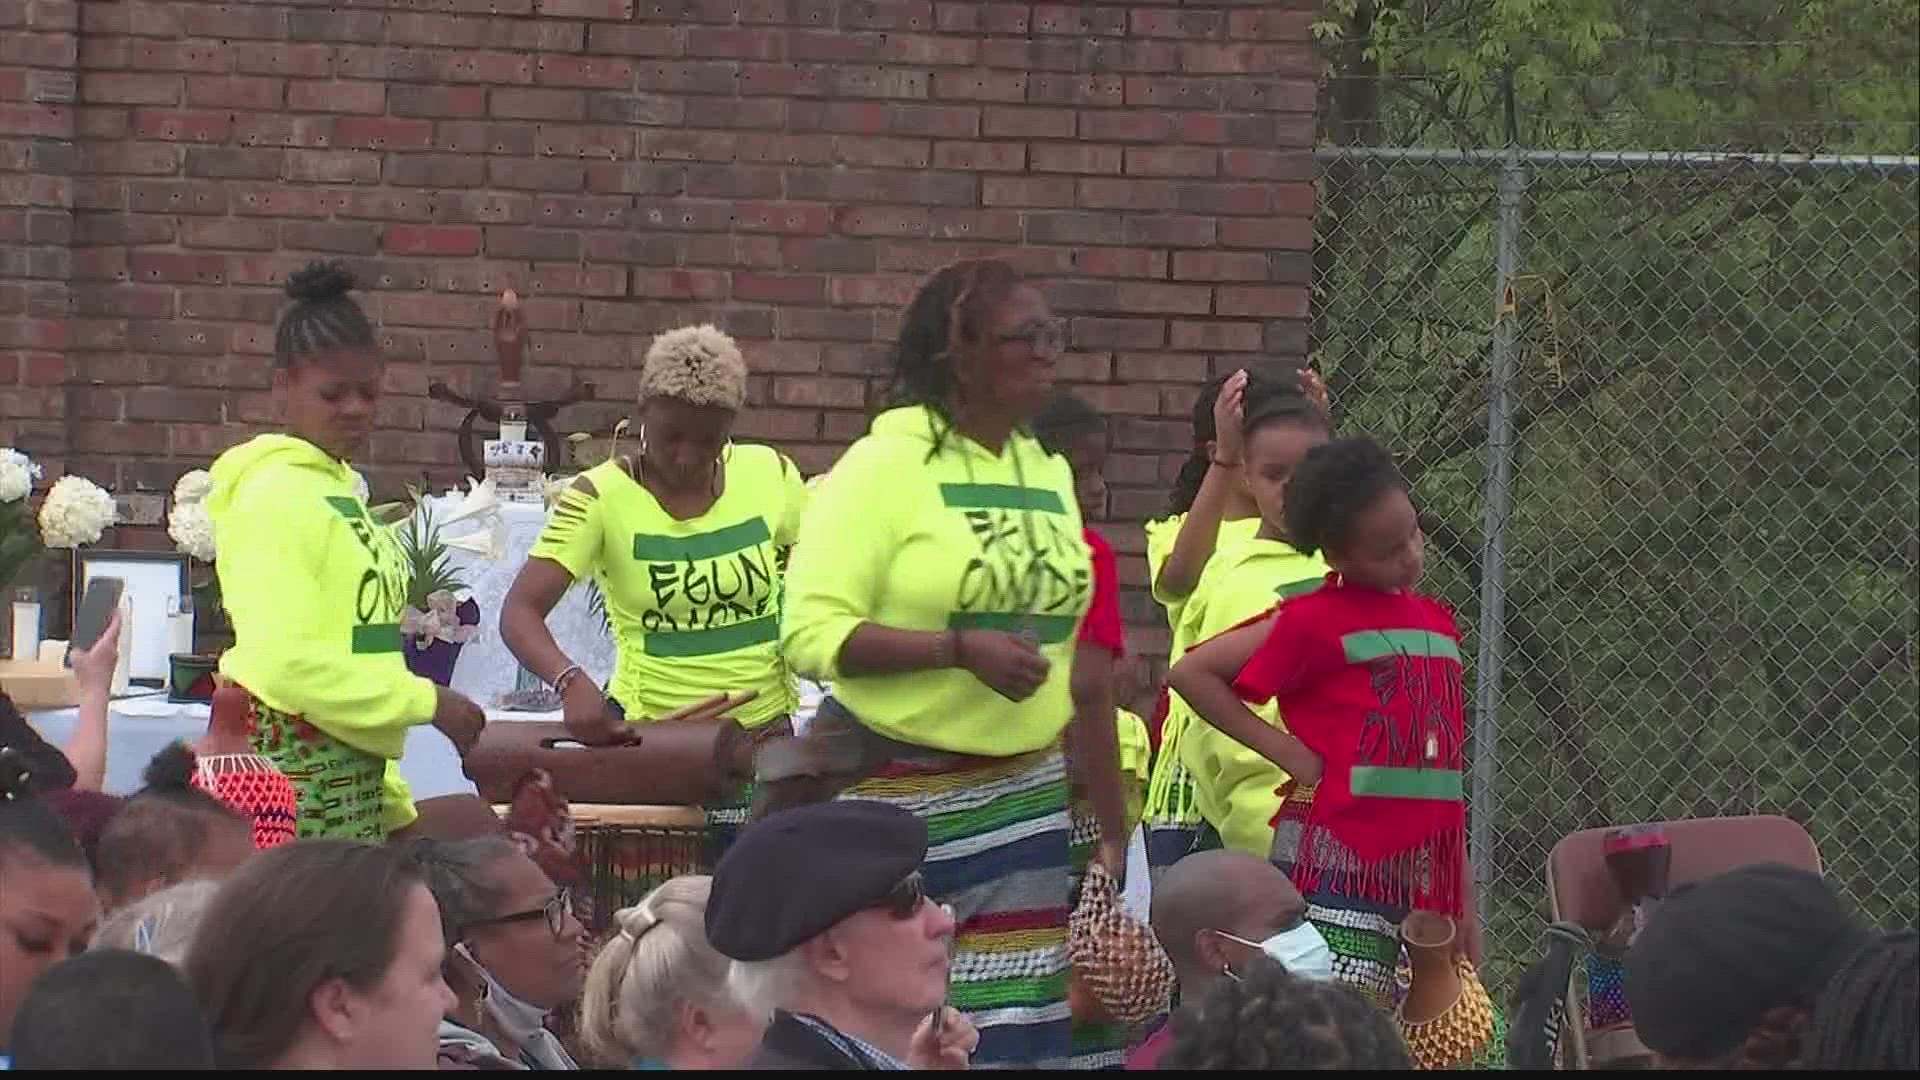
788, 168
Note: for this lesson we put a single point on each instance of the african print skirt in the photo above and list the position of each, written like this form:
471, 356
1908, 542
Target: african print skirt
339, 791
998, 853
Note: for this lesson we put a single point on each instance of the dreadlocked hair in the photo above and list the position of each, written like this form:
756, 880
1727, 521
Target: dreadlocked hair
1270, 1019
323, 317
945, 317
1336, 482
1064, 419
1865, 1016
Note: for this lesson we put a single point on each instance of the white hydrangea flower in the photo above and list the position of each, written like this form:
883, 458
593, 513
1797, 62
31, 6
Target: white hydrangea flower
17, 474
76, 512
191, 528
193, 487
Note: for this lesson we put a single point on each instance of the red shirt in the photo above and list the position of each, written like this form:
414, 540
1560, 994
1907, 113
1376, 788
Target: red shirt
1103, 625
1372, 682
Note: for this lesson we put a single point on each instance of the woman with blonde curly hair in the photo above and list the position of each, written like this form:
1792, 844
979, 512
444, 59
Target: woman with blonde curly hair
684, 536
659, 996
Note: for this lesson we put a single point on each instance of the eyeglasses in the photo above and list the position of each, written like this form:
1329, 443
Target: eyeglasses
1047, 337
554, 911
903, 900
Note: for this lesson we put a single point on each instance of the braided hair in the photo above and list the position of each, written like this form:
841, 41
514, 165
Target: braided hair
1186, 486
1337, 482
1865, 1016
323, 317
1271, 401
162, 831
1271, 1019
945, 317
1269, 398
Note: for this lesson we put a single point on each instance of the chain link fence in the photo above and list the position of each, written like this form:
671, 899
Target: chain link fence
1661, 414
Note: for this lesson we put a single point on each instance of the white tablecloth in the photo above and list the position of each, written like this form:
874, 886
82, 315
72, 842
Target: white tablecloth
486, 669
141, 727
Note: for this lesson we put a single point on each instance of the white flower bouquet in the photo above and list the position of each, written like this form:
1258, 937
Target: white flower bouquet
75, 512
188, 522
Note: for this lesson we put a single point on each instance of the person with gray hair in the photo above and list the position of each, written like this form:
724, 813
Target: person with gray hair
836, 943
685, 533
515, 953
659, 997
161, 924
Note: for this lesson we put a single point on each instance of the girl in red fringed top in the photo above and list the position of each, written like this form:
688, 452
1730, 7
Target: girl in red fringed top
1367, 672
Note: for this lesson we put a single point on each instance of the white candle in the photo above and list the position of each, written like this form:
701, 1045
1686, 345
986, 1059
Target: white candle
26, 631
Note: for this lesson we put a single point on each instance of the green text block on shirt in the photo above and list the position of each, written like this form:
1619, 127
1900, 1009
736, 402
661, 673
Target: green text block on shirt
1368, 645
714, 640
1392, 783
1049, 629
1001, 497
708, 545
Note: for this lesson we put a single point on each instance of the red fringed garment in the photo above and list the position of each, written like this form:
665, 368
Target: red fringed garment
1372, 682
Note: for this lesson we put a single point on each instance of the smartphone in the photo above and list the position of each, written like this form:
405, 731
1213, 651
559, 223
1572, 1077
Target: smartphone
96, 610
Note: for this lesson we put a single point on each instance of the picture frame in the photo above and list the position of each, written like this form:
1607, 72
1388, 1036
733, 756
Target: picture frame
155, 583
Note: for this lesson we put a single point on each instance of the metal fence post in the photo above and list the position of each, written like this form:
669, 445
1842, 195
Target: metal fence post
1498, 500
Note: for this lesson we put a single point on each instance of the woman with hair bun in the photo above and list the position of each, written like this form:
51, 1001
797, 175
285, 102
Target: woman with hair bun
659, 996
685, 537
315, 586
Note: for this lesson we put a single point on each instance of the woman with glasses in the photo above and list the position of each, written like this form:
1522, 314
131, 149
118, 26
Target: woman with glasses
939, 585
515, 954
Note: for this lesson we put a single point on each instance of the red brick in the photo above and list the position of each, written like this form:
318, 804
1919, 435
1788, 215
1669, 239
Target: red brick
333, 167
1216, 336
585, 9
1089, 333
235, 92
980, 156
681, 284
1269, 23
891, 291
171, 266
431, 240
1174, 23
1219, 266
115, 88
1270, 301
1171, 161
182, 125
1078, 157
780, 288
595, 71
970, 224
337, 97
1023, 123
383, 133
1268, 164
1275, 233
518, 104
929, 50
980, 85
276, 58
1125, 126
147, 55
647, 39
1120, 262
437, 101
281, 129
1026, 191
1117, 194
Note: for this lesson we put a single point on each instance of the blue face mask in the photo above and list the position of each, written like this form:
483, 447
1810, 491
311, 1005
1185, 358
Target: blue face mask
1301, 950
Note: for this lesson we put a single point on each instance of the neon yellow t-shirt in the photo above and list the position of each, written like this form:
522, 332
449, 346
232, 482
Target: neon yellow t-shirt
1167, 801
694, 604
1234, 786
918, 527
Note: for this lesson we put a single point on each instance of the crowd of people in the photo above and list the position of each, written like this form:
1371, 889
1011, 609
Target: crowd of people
923, 870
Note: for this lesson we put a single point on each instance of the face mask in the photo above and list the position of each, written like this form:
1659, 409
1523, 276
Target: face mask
517, 1018
1301, 950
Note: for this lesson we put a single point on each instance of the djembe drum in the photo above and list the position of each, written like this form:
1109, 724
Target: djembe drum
631, 850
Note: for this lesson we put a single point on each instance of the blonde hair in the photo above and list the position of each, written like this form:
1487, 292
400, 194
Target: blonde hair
161, 924
658, 958
699, 365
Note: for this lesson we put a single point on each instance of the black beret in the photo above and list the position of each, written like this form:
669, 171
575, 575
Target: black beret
1720, 954
795, 874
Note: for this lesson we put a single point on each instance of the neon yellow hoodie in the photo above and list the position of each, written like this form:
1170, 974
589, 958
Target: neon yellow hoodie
315, 590
917, 527
1234, 786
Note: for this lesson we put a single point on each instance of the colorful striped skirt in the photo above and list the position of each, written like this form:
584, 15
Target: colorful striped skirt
339, 791
998, 853
1365, 942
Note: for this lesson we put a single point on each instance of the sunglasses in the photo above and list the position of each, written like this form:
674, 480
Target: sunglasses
554, 911
1047, 337
903, 900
